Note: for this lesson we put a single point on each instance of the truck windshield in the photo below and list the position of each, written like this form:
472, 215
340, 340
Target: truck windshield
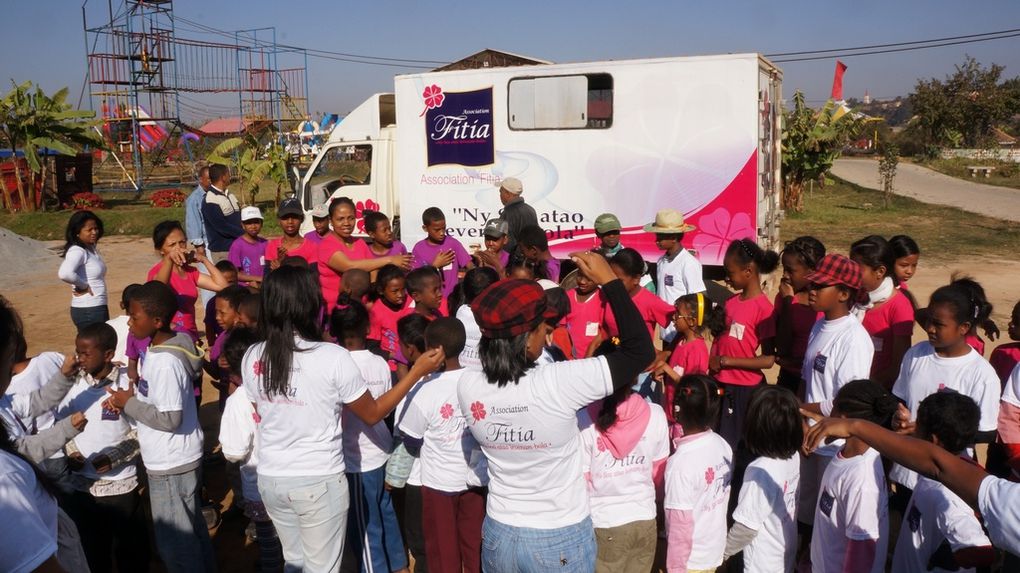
340, 166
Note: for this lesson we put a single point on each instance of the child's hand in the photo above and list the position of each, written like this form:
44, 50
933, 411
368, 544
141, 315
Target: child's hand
443, 259
785, 288
70, 366
402, 261
715, 364
825, 429
428, 362
79, 421
118, 398
102, 463
901, 421
81, 292
594, 266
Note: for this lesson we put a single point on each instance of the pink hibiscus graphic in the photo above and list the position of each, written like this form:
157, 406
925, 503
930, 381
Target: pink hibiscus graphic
446, 411
478, 411
257, 368
709, 476
718, 229
433, 96
359, 212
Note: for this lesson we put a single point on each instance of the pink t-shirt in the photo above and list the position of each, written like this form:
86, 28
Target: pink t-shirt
584, 320
653, 310
748, 322
186, 288
329, 279
800, 318
976, 342
687, 358
894, 317
307, 250
383, 324
1004, 359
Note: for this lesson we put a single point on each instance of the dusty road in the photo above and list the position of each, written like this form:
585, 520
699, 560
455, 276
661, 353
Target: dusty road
933, 187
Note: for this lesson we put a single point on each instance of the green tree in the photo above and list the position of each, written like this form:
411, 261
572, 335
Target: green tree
253, 163
887, 164
962, 109
812, 140
32, 121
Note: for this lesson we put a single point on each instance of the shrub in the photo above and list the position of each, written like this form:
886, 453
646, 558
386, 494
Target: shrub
85, 201
167, 198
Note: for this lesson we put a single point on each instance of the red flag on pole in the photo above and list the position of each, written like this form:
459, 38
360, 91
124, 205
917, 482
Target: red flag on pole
837, 81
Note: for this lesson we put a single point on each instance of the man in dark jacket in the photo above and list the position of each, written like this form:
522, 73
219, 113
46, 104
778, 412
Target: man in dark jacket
221, 214
516, 212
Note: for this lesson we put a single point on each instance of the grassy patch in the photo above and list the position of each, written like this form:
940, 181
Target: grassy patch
840, 214
1006, 174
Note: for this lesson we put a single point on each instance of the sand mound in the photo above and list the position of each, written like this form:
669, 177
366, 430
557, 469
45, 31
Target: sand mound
22, 258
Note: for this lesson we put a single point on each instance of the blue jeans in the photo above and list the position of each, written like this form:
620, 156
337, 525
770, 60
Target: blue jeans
310, 515
372, 528
86, 315
182, 539
508, 549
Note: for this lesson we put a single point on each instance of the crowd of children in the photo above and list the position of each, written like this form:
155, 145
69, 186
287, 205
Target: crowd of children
510, 411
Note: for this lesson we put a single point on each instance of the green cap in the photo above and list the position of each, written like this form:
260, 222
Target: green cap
607, 222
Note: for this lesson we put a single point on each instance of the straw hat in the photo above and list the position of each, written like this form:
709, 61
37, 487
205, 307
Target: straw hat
669, 221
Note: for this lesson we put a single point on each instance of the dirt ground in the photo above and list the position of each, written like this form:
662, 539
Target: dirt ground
43, 302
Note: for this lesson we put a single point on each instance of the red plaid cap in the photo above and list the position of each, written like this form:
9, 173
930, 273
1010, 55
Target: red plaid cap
510, 307
836, 269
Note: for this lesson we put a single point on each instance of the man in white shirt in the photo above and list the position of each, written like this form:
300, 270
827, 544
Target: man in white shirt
677, 271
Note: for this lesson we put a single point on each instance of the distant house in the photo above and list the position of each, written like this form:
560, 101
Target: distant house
489, 58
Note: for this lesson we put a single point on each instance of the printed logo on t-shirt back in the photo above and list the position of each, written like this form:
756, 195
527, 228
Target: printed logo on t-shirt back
914, 518
825, 503
819, 363
478, 411
446, 411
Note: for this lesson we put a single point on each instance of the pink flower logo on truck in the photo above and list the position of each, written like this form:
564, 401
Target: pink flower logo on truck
433, 96
718, 229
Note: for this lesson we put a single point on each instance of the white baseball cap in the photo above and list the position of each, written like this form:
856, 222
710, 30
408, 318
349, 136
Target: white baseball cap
250, 213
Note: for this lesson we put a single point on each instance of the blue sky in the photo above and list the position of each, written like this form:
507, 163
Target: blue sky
44, 41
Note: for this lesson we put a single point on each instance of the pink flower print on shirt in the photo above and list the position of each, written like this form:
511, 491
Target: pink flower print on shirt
601, 445
478, 411
433, 96
257, 368
709, 476
718, 229
446, 411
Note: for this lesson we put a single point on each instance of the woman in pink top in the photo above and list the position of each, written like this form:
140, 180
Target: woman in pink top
886, 313
177, 270
793, 315
734, 360
629, 268
340, 251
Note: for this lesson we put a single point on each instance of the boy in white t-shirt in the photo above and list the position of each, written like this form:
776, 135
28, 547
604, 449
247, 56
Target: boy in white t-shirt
851, 525
373, 534
765, 520
163, 406
839, 350
453, 479
106, 507
677, 271
940, 532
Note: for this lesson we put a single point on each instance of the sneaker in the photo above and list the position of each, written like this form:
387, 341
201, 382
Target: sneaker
212, 516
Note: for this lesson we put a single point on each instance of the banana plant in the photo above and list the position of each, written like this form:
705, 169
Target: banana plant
252, 163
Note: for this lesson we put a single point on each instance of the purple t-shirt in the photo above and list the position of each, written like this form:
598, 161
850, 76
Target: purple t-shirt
249, 258
313, 237
135, 348
553, 266
397, 248
425, 252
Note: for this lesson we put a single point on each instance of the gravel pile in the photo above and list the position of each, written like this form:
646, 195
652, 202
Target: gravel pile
22, 258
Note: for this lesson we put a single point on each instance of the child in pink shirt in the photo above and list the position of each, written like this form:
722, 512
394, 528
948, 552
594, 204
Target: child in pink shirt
793, 314
585, 317
886, 312
694, 312
391, 305
749, 325
630, 267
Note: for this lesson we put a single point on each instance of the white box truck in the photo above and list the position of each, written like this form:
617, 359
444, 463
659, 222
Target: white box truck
630, 137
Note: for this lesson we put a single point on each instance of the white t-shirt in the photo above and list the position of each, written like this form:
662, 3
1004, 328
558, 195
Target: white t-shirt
28, 528
621, 490
935, 515
838, 351
469, 356
768, 505
923, 373
368, 447
120, 325
239, 439
38, 372
106, 428
1011, 390
997, 504
698, 480
300, 433
528, 433
852, 505
434, 416
165, 382
83, 268
674, 279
